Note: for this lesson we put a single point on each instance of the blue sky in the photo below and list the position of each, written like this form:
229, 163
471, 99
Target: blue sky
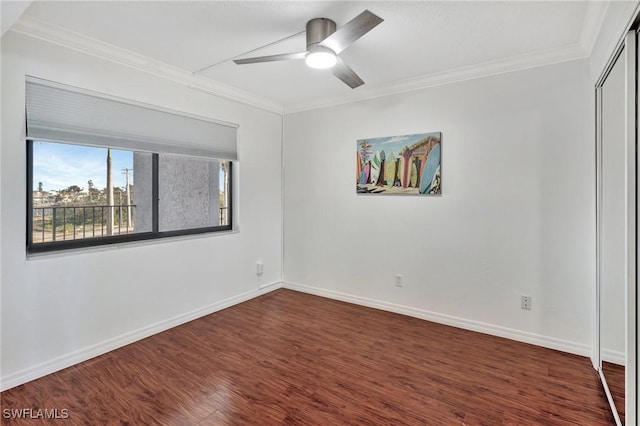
393, 143
59, 166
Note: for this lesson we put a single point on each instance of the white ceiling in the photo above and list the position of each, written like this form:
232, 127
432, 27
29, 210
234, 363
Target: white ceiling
418, 44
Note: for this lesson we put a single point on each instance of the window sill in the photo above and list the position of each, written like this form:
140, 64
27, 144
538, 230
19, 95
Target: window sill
127, 245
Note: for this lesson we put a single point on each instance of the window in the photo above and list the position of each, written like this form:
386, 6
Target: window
93, 181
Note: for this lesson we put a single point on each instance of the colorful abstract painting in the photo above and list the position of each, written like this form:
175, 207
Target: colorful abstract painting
407, 164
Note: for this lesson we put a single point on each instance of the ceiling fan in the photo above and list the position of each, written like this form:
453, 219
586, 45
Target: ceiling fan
325, 43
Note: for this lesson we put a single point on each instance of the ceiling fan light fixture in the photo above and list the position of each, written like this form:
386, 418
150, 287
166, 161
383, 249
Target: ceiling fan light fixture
321, 58
324, 43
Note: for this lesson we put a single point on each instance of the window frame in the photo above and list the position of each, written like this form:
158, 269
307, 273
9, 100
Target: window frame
154, 234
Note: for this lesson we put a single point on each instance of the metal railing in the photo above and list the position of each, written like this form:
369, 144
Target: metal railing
56, 223
62, 223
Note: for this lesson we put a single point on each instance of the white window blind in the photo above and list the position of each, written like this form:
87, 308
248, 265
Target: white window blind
60, 113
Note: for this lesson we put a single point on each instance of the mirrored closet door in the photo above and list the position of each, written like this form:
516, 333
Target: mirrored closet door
616, 228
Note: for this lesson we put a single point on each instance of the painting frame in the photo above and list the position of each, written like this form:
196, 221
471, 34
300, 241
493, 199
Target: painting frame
408, 164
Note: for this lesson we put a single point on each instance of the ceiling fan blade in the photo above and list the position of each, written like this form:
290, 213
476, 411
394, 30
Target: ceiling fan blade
271, 58
346, 74
351, 31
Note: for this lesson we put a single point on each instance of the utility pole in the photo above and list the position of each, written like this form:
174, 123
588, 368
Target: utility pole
125, 172
110, 207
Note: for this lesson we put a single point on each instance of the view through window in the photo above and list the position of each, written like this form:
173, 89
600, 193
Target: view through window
88, 194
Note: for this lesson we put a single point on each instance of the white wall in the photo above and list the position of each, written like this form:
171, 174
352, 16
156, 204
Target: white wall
59, 309
516, 216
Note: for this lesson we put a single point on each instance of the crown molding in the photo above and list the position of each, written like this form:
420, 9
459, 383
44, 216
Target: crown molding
43, 30
592, 24
515, 63
55, 34
10, 12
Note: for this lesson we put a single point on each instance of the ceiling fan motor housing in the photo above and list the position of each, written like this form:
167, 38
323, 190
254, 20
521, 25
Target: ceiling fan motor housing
318, 29
324, 43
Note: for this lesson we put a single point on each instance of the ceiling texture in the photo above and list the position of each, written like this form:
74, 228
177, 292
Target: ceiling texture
419, 44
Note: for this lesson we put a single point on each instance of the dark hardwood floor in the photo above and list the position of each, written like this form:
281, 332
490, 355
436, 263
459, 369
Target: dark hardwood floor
289, 358
614, 374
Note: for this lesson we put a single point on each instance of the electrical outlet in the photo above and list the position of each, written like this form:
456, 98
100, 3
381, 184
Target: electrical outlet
398, 281
259, 268
525, 302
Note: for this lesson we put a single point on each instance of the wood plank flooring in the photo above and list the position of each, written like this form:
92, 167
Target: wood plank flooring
615, 380
289, 358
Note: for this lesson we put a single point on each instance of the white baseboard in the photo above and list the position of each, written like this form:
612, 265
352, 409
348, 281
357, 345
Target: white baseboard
613, 357
270, 286
494, 330
31, 373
